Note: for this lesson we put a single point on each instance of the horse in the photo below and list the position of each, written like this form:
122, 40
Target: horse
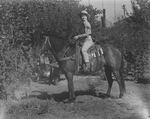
111, 60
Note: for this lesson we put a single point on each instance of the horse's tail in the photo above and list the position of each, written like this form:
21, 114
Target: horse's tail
121, 74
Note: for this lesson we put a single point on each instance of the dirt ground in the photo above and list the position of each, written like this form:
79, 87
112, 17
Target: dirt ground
47, 101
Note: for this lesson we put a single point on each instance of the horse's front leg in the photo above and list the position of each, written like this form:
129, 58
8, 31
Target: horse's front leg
69, 77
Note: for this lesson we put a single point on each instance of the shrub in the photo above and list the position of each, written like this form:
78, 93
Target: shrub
23, 25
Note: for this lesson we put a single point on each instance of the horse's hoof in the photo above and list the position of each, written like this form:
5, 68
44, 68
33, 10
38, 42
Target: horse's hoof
121, 95
102, 95
69, 101
107, 95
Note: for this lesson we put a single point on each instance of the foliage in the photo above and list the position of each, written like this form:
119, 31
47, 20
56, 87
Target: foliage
137, 30
16, 64
23, 25
25, 22
131, 36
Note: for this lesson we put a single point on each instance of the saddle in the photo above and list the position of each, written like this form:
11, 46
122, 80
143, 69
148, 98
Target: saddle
95, 52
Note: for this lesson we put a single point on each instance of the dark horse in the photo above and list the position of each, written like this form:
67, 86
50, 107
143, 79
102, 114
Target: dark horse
64, 52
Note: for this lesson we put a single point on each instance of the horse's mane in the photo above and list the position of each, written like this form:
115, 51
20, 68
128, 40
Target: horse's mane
60, 44
57, 42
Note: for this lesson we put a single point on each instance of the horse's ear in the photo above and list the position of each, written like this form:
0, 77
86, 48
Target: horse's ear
47, 40
71, 35
45, 37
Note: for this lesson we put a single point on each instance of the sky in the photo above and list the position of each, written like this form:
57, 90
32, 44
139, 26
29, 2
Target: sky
109, 6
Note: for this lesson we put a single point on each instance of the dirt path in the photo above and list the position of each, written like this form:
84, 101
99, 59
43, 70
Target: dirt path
45, 101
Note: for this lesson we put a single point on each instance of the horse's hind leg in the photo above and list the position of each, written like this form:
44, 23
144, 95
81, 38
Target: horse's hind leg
118, 78
108, 73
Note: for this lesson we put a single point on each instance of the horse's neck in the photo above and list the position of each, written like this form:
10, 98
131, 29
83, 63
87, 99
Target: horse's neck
57, 44
62, 49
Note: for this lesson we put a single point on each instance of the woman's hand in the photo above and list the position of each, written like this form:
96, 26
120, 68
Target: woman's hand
73, 41
76, 37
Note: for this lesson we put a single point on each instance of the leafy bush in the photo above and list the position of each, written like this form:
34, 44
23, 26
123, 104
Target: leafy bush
23, 25
131, 36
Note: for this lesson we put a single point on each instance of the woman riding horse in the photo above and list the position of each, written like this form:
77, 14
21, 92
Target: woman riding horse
111, 60
87, 35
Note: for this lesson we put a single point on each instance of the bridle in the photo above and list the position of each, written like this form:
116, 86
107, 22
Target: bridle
47, 42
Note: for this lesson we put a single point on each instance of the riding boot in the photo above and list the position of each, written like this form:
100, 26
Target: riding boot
87, 68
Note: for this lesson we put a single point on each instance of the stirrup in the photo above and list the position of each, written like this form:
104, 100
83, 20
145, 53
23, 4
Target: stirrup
101, 51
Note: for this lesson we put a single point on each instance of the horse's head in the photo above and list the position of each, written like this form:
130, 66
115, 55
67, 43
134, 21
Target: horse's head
45, 45
52, 44
57, 45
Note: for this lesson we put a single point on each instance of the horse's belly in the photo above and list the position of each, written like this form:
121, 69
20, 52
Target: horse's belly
96, 63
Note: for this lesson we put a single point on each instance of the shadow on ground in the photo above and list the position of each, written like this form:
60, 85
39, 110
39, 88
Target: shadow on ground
50, 80
65, 95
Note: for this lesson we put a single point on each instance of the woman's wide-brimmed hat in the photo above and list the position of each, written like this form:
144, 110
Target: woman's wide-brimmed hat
84, 12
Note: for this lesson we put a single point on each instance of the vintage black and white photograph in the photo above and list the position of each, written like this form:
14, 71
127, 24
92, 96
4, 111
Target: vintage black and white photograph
74, 59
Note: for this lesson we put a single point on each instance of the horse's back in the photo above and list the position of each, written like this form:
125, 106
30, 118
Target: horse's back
109, 49
95, 48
